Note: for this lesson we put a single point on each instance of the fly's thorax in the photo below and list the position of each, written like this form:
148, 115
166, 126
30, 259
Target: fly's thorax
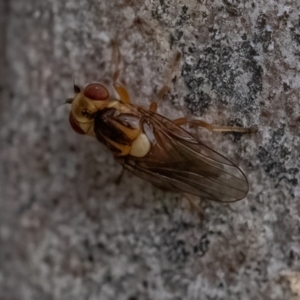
119, 127
121, 107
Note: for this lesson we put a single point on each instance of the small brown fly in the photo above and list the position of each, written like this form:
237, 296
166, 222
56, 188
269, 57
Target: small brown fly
155, 148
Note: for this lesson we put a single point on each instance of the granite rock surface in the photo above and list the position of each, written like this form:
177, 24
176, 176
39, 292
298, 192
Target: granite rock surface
68, 231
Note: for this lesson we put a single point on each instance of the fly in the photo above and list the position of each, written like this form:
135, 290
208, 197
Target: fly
154, 147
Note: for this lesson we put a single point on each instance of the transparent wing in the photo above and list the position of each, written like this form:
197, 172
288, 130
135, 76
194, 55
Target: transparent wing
177, 161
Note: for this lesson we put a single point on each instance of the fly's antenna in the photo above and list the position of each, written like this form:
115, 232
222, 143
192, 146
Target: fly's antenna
76, 87
68, 101
77, 90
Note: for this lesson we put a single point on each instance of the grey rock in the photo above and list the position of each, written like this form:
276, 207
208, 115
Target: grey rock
67, 231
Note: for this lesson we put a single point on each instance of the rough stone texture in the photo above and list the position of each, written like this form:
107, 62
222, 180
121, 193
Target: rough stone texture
67, 231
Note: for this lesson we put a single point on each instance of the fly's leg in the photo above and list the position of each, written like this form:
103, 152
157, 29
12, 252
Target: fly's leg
119, 87
119, 178
215, 128
116, 60
194, 206
153, 107
122, 92
166, 87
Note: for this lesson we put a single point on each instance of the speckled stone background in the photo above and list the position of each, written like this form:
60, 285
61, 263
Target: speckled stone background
67, 231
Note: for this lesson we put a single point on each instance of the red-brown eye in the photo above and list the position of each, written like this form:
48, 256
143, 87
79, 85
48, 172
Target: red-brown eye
74, 124
96, 91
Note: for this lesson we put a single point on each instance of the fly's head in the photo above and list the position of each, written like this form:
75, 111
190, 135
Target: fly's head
85, 105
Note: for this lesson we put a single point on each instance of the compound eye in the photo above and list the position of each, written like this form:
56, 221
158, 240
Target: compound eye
96, 92
74, 124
